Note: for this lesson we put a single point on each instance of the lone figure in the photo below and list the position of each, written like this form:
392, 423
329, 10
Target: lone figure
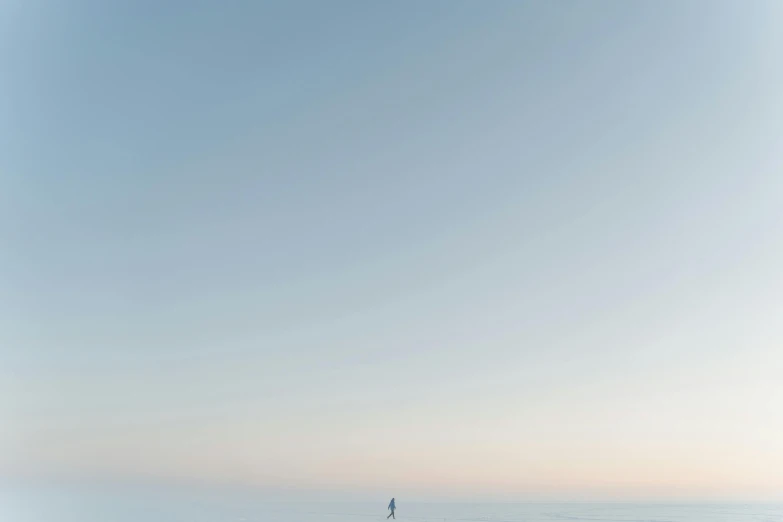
391, 508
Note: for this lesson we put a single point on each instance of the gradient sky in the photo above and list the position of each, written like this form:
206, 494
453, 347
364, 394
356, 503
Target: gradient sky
501, 248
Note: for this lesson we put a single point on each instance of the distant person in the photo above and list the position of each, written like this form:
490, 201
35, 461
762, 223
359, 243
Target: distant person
392, 507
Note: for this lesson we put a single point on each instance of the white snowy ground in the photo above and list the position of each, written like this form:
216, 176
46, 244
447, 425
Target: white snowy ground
103, 506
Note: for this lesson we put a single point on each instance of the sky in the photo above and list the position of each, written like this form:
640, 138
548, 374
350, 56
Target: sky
439, 249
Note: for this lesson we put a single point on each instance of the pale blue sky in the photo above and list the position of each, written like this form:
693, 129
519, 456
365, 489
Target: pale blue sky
497, 248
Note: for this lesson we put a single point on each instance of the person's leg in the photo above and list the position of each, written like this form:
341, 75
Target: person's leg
395, 518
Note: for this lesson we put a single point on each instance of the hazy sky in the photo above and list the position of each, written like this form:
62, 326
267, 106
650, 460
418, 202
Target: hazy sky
504, 249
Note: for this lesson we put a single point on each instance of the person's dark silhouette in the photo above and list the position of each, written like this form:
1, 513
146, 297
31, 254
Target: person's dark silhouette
391, 507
